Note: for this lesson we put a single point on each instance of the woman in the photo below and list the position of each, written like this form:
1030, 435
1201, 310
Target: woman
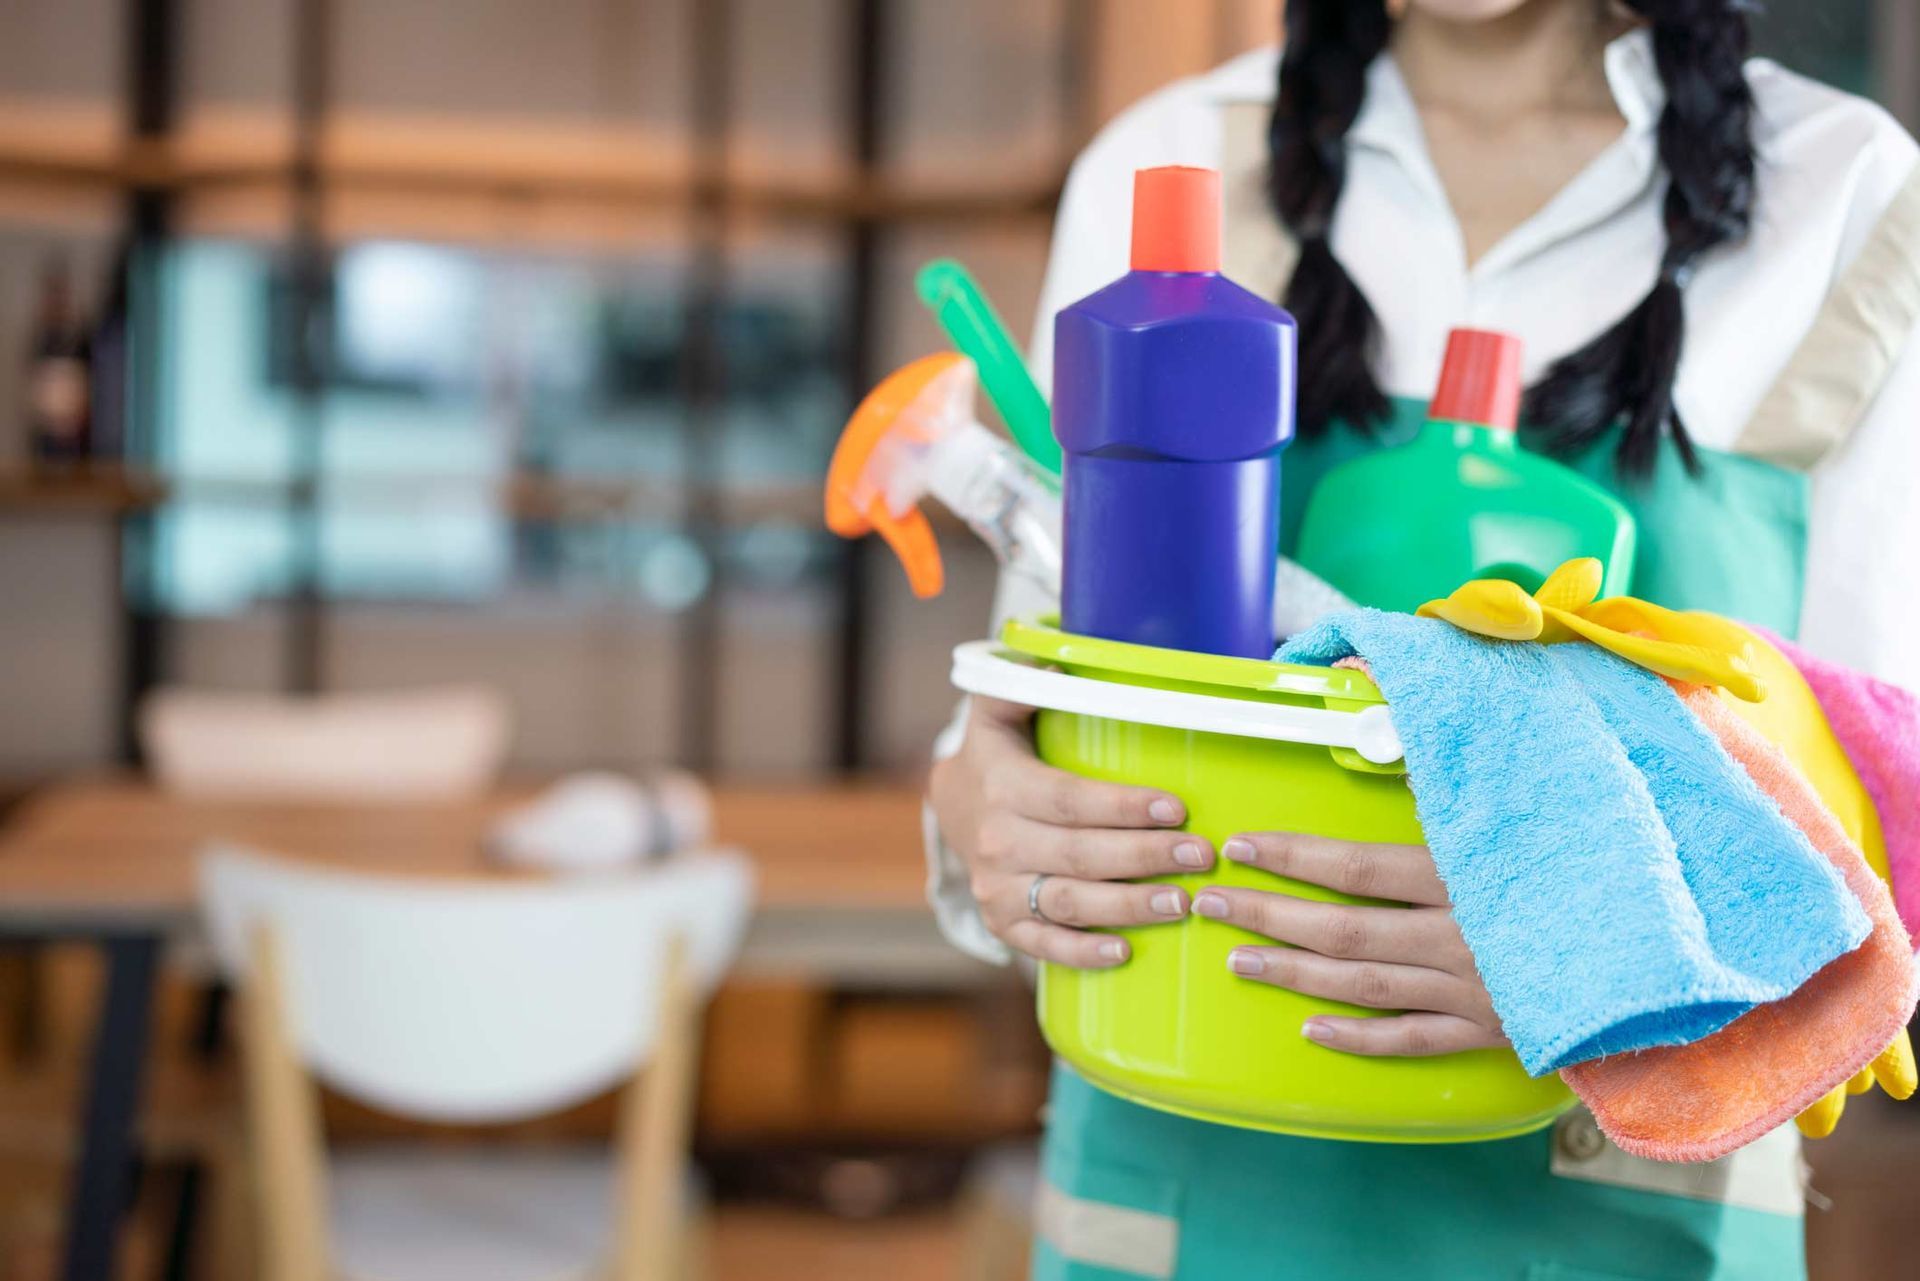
1714, 264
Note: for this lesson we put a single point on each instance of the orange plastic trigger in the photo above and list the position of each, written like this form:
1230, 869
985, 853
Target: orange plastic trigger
910, 535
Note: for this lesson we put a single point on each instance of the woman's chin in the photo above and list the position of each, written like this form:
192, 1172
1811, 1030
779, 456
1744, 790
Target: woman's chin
1467, 11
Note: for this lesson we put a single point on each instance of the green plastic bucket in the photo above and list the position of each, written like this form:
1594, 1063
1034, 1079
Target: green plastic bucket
1249, 746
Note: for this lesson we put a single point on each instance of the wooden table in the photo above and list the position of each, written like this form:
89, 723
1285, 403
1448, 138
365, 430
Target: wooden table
113, 861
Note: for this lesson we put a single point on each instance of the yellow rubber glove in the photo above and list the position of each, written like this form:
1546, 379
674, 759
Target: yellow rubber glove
1701, 649
1893, 1070
1818, 1121
1490, 607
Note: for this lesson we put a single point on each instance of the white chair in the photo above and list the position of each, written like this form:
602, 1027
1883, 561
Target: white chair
422, 745
471, 1002
401, 745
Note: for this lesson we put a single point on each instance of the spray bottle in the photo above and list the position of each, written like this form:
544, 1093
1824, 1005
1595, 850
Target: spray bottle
915, 436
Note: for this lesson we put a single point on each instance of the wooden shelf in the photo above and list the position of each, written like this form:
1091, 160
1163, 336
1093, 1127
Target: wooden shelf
437, 166
538, 497
103, 488
530, 496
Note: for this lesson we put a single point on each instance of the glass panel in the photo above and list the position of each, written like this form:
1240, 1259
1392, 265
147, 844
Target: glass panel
1830, 40
509, 433
782, 367
467, 391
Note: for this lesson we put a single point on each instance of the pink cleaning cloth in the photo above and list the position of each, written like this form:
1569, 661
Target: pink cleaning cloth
1878, 726
1701, 1101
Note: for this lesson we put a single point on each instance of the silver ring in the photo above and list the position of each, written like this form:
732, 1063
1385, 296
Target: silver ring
1033, 899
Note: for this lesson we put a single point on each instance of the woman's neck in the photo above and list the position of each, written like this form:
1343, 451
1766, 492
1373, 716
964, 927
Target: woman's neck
1512, 108
1544, 56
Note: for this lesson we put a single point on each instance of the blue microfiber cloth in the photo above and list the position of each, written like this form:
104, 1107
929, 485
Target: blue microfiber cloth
1621, 881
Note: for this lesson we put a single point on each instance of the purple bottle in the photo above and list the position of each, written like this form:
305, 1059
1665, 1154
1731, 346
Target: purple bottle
1172, 399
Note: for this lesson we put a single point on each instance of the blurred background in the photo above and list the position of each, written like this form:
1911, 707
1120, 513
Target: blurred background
464, 371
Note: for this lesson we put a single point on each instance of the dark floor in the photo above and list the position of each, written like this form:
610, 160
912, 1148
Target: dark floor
1867, 1178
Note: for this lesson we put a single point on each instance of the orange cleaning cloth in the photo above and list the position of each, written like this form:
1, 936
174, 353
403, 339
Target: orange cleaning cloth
1701, 1101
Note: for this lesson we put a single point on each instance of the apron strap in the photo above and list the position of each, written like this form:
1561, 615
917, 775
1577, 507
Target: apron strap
1256, 252
1834, 375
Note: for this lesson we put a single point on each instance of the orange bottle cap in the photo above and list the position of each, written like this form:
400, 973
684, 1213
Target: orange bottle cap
1479, 380
1176, 219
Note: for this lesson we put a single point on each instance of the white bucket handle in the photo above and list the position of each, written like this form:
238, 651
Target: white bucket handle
979, 667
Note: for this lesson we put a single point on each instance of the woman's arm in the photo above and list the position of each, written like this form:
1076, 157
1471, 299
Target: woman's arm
949, 880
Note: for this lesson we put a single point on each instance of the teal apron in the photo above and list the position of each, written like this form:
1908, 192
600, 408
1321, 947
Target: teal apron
1129, 1192
1731, 540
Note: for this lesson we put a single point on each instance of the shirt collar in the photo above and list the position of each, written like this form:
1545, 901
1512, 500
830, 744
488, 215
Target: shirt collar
1635, 80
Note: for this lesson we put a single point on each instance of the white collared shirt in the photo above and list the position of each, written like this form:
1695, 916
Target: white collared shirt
1829, 165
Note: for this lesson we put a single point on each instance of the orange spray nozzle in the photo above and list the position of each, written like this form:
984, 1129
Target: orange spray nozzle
870, 486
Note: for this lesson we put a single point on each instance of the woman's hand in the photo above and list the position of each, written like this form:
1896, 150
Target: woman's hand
1013, 819
1392, 958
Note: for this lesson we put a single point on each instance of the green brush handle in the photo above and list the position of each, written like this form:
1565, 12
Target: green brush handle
977, 331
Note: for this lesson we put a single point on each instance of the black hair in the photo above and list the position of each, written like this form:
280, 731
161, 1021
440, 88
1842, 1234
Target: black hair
1706, 148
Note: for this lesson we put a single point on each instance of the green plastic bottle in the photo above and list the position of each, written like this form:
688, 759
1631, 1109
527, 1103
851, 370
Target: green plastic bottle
1462, 500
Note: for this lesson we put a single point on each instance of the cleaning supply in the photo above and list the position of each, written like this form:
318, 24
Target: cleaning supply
1173, 397
1249, 746
1696, 647
1791, 718
1878, 727
1637, 890
980, 335
1700, 1101
915, 436
1767, 681
1893, 1070
1461, 500
1780, 735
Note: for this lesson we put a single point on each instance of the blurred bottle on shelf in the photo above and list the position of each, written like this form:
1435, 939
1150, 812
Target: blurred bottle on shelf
59, 396
108, 370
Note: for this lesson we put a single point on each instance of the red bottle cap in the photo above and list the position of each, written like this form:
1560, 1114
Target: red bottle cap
1176, 219
1479, 380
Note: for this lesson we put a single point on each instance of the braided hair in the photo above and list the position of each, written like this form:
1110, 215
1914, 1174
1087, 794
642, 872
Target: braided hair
1627, 373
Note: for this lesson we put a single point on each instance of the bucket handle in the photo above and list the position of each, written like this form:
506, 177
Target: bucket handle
979, 667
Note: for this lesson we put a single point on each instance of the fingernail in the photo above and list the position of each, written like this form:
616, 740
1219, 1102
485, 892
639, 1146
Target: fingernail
1165, 810
1211, 905
1239, 849
1244, 960
1168, 903
1314, 1030
1190, 854
1113, 950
